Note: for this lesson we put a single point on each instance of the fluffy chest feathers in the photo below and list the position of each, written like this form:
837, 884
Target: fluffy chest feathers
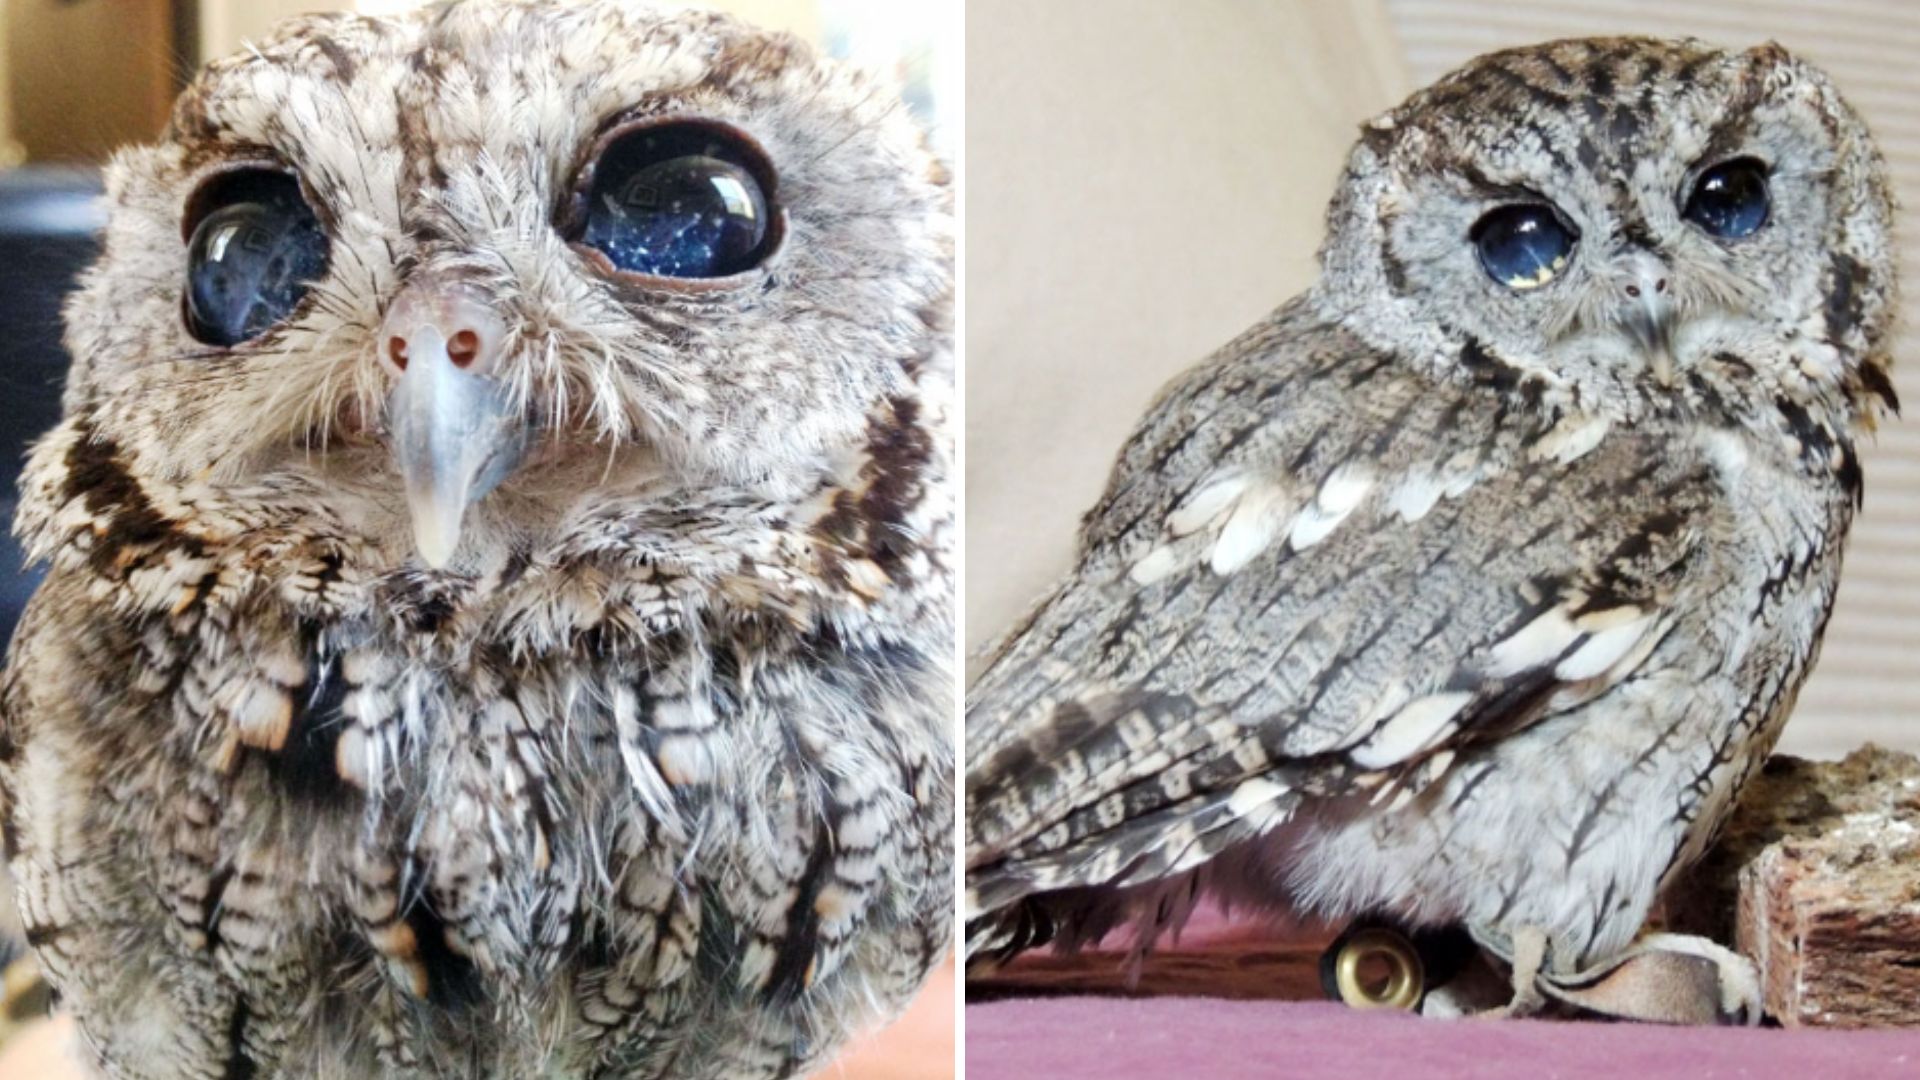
683, 770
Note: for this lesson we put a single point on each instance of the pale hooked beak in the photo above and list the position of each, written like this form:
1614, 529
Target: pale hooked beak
1646, 310
455, 431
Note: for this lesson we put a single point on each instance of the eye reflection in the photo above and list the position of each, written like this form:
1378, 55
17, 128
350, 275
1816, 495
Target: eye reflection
1522, 245
1731, 199
678, 201
252, 257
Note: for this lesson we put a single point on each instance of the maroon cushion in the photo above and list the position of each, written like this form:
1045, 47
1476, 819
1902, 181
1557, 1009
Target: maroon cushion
1105, 1038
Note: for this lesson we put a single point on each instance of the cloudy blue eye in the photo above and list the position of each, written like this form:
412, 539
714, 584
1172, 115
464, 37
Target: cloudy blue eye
255, 250
680, 201
1730, 200
1523, 245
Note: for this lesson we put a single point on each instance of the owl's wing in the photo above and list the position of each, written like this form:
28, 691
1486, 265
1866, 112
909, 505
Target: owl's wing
1313, 575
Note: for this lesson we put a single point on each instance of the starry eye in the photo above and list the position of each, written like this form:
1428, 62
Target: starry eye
686, 200
1730, 200
1522, 245
254, 248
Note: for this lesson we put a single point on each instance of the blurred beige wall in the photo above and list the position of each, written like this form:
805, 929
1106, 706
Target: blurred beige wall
1144, 180
225, 24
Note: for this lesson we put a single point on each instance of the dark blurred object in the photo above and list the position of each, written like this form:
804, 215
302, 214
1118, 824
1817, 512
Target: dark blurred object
85, 77
49, 219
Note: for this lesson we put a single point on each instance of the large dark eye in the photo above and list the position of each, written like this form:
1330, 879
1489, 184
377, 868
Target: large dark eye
256, 247
1730, 200
680, 201
1522, 246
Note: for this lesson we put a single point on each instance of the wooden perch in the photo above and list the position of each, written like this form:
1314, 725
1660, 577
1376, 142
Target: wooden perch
1246, 963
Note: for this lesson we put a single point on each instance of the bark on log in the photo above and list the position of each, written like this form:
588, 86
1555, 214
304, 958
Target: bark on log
1817, 879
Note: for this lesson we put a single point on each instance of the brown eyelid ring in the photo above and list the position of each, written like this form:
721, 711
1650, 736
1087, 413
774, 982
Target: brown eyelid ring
209, 180
571, 220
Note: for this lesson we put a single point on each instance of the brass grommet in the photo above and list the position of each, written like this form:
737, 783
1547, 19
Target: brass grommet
1406, 976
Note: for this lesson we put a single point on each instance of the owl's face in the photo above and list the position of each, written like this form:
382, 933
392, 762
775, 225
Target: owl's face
1643, 225
508, 253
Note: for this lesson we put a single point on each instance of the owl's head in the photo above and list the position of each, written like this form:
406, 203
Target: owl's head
1629, 225
531, 252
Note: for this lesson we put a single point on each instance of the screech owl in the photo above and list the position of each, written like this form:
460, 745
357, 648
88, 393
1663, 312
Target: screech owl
1469, 587
500, 609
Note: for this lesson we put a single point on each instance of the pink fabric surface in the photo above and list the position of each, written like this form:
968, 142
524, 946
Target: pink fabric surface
1119, 1038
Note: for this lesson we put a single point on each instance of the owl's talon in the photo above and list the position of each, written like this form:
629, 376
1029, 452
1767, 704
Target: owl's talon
1529, 944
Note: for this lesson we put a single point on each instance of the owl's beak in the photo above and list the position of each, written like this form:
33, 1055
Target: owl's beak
454, 428
1647, 312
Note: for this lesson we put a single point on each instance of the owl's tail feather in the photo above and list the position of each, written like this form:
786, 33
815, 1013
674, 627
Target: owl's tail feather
1147, 871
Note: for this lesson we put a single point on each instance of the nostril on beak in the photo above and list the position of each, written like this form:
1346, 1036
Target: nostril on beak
462, 349
448, 327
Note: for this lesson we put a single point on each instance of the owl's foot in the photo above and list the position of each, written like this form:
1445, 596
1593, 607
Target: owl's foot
1668, 979
1661, 978
1471, 997
1529, 956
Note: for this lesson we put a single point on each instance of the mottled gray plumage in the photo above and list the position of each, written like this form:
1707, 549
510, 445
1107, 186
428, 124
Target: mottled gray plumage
654, 778
1451, 601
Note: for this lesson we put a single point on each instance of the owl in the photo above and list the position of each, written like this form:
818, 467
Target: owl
499, 619
1468, 588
